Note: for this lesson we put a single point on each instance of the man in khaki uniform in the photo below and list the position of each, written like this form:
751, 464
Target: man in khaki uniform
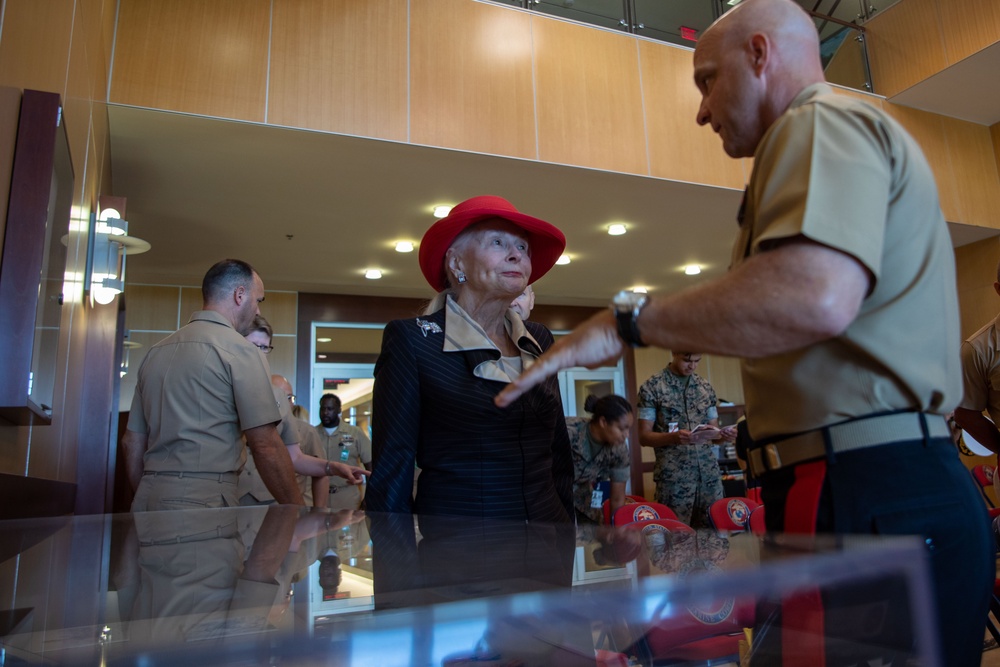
345, 443
199, 392
842, 304
981, 379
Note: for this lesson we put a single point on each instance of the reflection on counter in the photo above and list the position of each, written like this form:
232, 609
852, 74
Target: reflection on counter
288, 585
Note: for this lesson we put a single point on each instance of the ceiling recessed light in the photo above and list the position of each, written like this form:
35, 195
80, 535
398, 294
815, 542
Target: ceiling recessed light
404, 246
616, 229
640, 290
441, 211
692, 269
373, 274
563, 260
324, 340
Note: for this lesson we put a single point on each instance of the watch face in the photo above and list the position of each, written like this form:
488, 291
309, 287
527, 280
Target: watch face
628, 301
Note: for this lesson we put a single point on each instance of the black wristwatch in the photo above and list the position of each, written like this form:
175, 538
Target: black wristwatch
626, 306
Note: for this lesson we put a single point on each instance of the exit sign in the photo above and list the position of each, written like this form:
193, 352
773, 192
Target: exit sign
689, 34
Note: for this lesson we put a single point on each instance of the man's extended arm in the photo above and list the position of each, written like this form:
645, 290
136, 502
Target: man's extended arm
795, 294
316, 467
274, 464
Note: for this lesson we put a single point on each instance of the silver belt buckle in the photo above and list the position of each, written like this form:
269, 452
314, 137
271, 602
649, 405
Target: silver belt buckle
772, 460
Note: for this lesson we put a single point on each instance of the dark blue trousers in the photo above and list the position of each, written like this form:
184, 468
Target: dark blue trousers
907, 488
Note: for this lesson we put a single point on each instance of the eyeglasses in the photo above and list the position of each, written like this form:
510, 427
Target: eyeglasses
266, 349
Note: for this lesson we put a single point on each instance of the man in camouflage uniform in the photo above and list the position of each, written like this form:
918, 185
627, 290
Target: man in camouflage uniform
594, 462
671, 405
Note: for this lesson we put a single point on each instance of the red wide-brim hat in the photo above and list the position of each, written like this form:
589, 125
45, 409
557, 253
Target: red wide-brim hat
545, 242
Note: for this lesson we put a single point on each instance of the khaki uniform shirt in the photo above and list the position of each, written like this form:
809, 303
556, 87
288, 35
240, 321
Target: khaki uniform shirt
348, 444
197, 391
842, 173
981, 371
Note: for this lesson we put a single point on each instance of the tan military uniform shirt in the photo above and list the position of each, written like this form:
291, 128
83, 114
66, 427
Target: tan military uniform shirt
197, 391
840, 172
981, 371
350, 445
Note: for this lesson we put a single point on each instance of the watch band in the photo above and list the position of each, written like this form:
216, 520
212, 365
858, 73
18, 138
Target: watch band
628, 327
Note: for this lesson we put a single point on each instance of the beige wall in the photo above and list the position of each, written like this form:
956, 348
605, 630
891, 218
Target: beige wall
513, 83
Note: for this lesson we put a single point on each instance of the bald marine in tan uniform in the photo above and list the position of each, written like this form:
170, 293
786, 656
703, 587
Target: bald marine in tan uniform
841, 303
199, 392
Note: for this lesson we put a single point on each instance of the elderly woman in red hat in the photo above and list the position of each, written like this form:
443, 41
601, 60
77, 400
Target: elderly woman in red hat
436, 377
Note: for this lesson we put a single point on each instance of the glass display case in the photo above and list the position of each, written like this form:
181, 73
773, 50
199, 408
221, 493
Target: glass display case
290, 586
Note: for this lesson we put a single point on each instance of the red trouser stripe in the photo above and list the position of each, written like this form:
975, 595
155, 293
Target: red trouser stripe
803, 627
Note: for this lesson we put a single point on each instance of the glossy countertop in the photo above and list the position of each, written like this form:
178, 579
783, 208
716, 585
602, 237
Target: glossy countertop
288, 585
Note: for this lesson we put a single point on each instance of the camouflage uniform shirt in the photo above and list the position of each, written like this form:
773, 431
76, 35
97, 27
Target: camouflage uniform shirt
687, 477
593, 462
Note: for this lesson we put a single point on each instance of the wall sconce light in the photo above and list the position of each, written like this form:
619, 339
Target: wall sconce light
104, 277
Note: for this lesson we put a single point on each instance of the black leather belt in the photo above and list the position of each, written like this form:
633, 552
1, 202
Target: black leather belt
844, 437
221, 477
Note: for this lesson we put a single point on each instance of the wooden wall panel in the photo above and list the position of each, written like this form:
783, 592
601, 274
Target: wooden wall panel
678, 148
91, 17
847, 66
191, 302
197, 57
282, 357
340, 66
970, 26
78, 100
472, 91
975, 171
928, 130
589, 101
109, 23
281, 311
10, 110
976, 271
905, 45
34, 44
151, 307
995, 138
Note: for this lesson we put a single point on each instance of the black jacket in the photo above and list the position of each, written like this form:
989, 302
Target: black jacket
475, 459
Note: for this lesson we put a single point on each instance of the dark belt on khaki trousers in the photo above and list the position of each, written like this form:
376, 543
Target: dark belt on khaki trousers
221, 477
844, 437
